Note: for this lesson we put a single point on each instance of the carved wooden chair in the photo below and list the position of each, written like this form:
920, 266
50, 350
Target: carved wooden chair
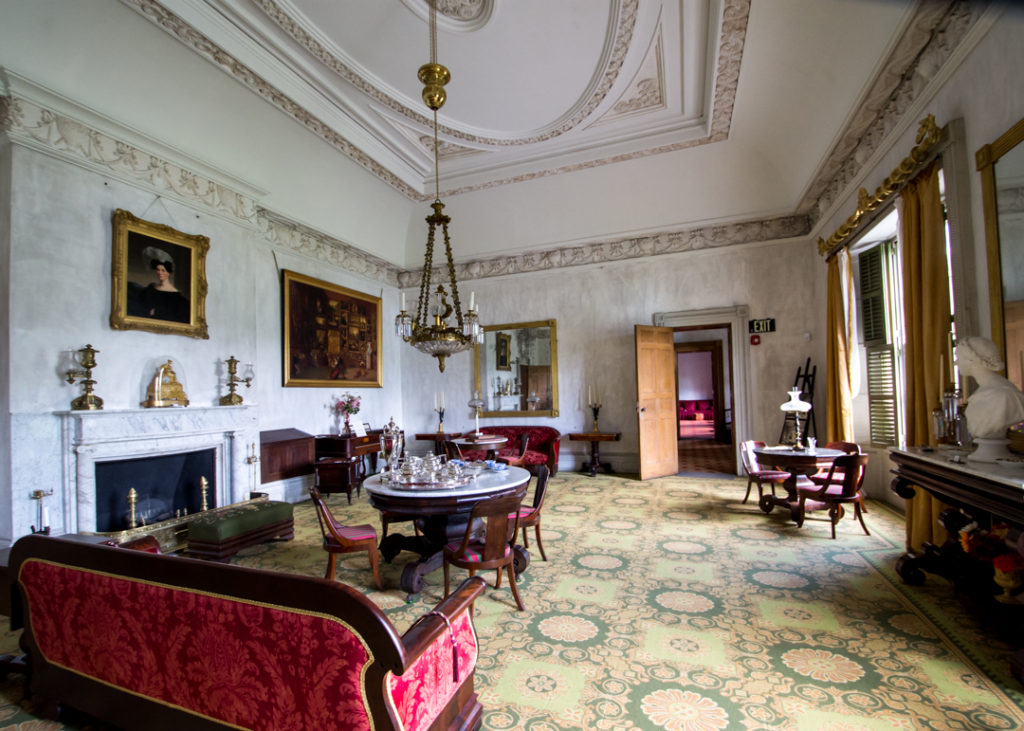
530, 515
756, 474
451, 450
837, 492
494, 549
821, 476
517, 460
340, 538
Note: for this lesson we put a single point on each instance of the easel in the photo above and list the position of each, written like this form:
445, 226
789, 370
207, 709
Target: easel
790, 425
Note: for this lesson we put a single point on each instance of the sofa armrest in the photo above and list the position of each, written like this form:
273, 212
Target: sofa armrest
436, 681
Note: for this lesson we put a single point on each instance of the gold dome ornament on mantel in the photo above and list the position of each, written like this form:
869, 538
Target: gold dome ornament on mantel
432, 331
164, 390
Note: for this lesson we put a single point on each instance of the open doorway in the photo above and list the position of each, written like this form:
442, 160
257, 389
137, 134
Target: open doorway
705, 400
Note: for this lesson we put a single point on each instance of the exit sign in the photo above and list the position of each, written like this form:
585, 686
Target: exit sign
767, 325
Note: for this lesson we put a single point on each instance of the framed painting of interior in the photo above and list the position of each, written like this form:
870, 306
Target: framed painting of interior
332, 334
159, 278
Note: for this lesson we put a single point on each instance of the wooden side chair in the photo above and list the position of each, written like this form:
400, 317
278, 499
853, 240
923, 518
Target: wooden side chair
756, 474
821, 477
340, 538
530, 515
518, 460
836, 492
494, 551
451, 450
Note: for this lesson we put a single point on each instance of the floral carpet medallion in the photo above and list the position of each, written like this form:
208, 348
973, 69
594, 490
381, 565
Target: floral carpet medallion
668, 604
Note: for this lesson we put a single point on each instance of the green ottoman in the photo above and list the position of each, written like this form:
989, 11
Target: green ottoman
220, 534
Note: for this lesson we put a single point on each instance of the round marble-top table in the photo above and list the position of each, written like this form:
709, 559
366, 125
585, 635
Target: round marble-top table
798, 463
441, 514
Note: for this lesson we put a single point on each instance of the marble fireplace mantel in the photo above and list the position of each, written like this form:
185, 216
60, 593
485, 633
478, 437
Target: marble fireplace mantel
89, 437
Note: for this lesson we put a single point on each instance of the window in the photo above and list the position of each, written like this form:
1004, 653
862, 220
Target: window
881, 298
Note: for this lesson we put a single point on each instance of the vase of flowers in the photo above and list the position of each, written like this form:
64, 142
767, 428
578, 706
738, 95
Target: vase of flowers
345, 407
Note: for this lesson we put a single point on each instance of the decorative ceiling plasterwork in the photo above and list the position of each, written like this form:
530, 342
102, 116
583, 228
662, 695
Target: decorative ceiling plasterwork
929, 41
730, 52
647, 92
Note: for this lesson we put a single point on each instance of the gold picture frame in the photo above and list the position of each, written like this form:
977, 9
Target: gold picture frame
332, 334
158, 282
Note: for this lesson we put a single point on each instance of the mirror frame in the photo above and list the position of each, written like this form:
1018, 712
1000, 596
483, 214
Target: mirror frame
986, 159
550, 324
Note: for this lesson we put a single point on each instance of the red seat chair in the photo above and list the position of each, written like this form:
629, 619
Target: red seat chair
337, 474
530, 515
495, 550
519, 459
837, 492
340, 538
756, 474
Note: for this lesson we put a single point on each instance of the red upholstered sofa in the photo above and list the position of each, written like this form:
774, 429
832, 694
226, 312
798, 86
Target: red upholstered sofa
149, 641
697, 410
542, 448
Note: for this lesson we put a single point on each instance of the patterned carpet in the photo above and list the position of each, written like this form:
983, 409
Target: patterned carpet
668, 604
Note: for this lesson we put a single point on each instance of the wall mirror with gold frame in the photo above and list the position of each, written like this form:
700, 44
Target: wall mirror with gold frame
517, 369
1002, 183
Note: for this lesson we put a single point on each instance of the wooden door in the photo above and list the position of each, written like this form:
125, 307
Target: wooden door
656, 410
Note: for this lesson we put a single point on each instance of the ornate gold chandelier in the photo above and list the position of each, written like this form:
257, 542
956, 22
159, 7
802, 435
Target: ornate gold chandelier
432, 331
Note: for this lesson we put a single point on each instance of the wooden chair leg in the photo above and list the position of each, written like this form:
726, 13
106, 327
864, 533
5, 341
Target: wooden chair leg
800, 512
750, 484
497, 579
858, 513
332, 560
375, 565
526, 538
515, 590
835, 514
446, 571
536, 527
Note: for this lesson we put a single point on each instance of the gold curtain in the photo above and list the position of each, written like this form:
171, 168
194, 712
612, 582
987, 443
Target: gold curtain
927, 313
838, 401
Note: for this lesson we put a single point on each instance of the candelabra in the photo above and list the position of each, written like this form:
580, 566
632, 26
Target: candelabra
233, 399
440, 419
595, 408
88, 401
43, 512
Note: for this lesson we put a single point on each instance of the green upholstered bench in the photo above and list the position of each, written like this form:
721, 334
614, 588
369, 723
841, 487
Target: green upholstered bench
221, 534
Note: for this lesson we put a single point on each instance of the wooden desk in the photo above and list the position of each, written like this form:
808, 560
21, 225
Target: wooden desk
798, 463
441, 515
353, 449
595, 438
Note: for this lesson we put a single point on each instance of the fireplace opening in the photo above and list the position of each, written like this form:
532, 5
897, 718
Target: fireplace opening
166, 486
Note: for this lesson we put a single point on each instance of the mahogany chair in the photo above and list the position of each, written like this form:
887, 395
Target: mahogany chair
756, 474
838, 491
340, 538
821, 476
530, 515
517, 460
494, 551
451, 450
337, 474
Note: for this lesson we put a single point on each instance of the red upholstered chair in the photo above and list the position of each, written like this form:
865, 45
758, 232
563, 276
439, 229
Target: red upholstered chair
530, 515
495, 550
340, 538
836, 492
756, 473
518, 459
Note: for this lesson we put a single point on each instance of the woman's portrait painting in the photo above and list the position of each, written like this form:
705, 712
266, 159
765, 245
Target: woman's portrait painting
159, 281
332, 334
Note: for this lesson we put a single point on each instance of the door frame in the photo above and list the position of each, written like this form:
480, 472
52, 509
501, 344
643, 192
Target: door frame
714, 347
735, 318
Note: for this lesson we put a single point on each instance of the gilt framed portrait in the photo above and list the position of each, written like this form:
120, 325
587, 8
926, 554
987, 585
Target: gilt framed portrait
332, 334
503, 345
158, 282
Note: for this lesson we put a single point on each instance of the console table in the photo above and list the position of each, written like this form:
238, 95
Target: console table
595, 438
984, 492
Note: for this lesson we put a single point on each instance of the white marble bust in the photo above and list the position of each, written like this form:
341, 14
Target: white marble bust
997, 404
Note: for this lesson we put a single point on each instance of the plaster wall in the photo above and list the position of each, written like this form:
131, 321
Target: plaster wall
59, 295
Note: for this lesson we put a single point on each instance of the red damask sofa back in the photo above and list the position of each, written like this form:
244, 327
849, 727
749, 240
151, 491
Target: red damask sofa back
160, 642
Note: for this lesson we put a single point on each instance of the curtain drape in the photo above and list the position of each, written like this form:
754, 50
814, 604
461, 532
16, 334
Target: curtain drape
927, 314
838, 399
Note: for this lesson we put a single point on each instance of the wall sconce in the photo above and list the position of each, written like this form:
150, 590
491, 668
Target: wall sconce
233, 399
86, 358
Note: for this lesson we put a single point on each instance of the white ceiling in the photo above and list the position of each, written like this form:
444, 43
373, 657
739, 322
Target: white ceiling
541, 87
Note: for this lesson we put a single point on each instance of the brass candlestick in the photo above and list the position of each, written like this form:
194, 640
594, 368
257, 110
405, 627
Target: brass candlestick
88, 401
440, 419
233, 399
133, 498
595, 408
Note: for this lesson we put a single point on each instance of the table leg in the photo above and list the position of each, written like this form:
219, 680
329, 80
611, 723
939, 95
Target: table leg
595, 461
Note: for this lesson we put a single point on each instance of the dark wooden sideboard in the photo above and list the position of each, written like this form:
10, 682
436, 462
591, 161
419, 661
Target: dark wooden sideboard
286, 453
977, 492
